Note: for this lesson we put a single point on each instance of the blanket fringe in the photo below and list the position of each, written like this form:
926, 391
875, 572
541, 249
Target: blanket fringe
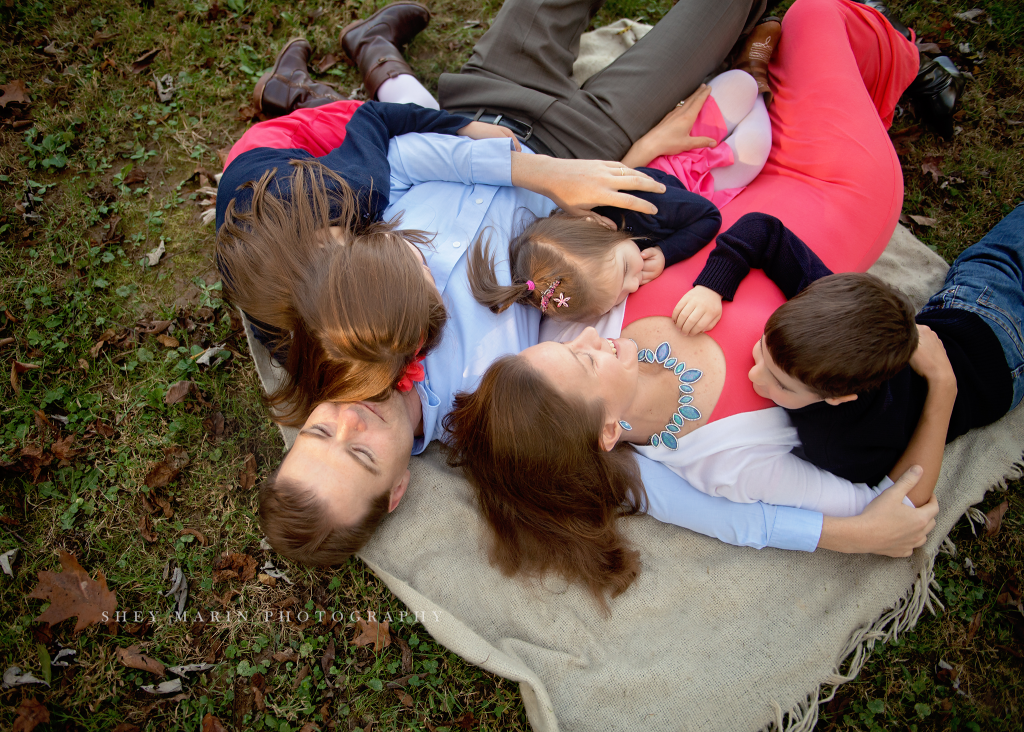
920, 597
903, 617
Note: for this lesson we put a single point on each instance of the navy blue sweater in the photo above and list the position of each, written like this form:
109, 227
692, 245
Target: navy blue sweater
862, 440
361, 159
684, 224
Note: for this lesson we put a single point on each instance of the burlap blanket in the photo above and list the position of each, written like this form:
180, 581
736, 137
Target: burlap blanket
711, 637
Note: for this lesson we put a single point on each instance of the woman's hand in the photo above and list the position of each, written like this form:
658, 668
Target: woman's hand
698, 310
671, 136
654, 264
577, 186
484, 131
887, 526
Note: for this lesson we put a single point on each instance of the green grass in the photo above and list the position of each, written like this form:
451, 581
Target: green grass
111, 173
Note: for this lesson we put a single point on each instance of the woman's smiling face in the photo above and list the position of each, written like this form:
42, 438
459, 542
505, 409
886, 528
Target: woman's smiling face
590, 367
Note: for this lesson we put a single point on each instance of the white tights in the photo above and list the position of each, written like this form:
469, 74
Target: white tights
748, 125
406, 89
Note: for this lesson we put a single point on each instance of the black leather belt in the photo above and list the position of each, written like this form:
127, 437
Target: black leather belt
521, 130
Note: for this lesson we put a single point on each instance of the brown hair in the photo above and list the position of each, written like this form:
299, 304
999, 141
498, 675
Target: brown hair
300, 526
844, 334
346, 319
549, 493
556, 247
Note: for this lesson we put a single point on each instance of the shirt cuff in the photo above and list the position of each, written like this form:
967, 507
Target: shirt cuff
720, 275
491, 161
795, 529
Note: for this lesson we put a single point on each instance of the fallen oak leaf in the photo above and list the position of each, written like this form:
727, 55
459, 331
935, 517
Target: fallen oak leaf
18, 368
214, 424
73, 592
132, 657
994, 519
146, 528
371, 632
98, 39
15, 93
142, 62
31, 714
933, 170
167, 341
234, 566
161, 474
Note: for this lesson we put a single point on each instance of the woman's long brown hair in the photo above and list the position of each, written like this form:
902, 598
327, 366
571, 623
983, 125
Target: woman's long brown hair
345, 317
551, 496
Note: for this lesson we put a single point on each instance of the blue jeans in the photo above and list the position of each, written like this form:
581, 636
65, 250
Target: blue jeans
988, 279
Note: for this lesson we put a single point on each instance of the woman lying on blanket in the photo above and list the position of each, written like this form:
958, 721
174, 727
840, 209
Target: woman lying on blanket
535, 441
348, 466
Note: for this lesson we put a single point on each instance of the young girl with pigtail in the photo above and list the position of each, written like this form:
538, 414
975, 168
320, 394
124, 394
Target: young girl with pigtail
578, 268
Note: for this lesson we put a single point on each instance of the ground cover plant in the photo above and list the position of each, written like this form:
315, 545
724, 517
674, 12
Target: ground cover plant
131, 435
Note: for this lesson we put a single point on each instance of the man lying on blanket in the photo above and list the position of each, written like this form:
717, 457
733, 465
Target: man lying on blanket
459, 187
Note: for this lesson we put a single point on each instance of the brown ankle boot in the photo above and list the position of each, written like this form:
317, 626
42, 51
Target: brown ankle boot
757, 52
288, 86
375, 44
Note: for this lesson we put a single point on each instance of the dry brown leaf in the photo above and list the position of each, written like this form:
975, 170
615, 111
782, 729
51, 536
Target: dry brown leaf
18, 368
975, 625
14, 92
247, 478
6, 342
31, 714
178, 391
132, 657
406, 655
193, 532
404, 698
146, 528
83, 364
933, 170
95, 350
154, 326
326, 63
994, 519
63, 451
234, 566
161, 474
104, 429
212, 724
257, 699
466, 721
142, 62
126, 727
73, 592
327, 660
167, 341
266, 579
371, 632
309, 727
98, 39
165, 506
214, 424
286, 655
924, 220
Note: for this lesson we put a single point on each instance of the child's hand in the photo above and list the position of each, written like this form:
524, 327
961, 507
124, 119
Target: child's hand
930, 359
483, 131
698, 310
654, 264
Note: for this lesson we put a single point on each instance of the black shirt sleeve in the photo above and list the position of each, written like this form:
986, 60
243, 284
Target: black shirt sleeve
760, 241
684, 224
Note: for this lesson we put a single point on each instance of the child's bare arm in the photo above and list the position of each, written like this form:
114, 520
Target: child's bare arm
698, 310
929, 438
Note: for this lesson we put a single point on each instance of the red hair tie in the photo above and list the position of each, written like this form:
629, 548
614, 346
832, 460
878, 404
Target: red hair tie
413, 372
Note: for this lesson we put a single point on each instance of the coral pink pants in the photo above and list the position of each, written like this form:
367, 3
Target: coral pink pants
832, 176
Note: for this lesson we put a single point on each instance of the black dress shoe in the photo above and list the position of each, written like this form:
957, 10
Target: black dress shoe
935, 92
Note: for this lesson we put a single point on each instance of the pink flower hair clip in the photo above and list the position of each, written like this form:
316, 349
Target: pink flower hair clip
562, 301
546, 297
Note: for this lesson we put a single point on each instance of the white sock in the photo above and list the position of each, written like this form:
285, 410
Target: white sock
751, 142
734, 91
406, 89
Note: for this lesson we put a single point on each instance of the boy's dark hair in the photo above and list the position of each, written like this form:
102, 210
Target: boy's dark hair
844, 334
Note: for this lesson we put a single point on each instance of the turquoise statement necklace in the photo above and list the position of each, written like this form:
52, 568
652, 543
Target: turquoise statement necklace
686, 410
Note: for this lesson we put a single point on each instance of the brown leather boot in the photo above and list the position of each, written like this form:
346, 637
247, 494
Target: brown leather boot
375, 44
757, 52
288, 86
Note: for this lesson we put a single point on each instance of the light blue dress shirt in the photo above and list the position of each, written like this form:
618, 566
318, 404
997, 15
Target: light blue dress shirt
459, 189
